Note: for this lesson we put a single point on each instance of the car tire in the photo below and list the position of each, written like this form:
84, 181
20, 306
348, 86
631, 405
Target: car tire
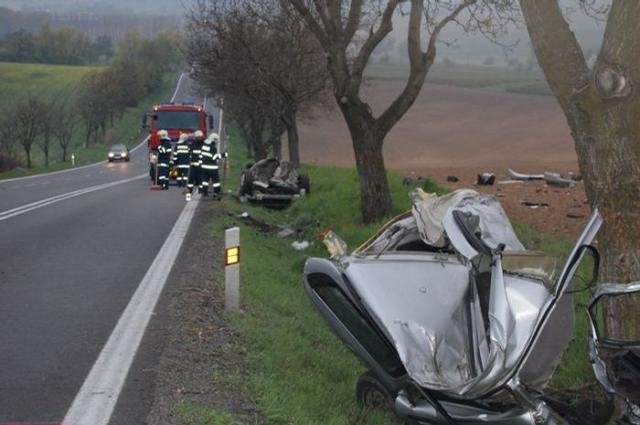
304, 183
371, 394
110, 160
246, 183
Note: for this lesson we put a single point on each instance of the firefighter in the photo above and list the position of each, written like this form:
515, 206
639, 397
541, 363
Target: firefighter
164, 156
209, 165
182, 160
194, 167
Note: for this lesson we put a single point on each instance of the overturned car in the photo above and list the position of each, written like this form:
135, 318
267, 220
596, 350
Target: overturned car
457, 322
273, 183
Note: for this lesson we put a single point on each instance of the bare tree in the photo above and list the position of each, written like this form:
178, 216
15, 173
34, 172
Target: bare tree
602, 106
260, 51
27, 117
8, 142
48, 116
349, 31
64, 126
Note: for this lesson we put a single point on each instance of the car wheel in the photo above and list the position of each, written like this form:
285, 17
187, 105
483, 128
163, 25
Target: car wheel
246, 184
304, 183
371, 394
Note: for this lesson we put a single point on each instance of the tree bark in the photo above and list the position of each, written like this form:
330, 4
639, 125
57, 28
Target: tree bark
606, 131
27, 151
292, 137
375, 196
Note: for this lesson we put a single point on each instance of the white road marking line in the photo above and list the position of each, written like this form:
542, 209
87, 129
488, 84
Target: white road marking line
175, 93
4, 215
99, 393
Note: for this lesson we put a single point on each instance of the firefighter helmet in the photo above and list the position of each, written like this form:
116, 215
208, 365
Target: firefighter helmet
198, 134
215, 137
183, 137
164, 134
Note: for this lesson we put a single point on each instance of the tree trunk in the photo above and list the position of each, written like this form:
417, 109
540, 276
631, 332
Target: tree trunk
45, 149
375, 197
259, 149
276, 145
602, 109
292, 137
28, 152
64, 153
608, 147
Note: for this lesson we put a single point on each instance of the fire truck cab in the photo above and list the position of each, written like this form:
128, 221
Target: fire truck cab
175, 119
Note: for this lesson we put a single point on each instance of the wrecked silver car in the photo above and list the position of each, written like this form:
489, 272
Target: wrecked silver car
455, 319
272, 182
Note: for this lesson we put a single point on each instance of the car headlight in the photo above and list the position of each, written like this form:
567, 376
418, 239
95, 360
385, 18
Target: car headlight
123, 154
110, 154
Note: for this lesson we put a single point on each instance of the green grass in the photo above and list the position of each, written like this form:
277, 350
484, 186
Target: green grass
469, 76
126, 130
196, 415
300, 373
18, 79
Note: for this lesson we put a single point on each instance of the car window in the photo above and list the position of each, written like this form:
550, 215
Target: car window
357, 324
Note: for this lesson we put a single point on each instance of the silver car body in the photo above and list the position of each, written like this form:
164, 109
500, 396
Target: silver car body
467, 316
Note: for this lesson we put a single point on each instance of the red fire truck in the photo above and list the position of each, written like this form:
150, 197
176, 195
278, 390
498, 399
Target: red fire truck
176, 119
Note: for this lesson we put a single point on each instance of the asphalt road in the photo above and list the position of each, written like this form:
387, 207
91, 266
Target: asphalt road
68, 268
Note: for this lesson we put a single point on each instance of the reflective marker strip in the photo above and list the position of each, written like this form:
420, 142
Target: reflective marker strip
232, 256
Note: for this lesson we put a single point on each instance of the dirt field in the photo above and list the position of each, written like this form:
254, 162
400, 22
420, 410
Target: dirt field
463, 132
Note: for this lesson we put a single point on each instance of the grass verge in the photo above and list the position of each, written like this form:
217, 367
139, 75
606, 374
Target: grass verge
300, 372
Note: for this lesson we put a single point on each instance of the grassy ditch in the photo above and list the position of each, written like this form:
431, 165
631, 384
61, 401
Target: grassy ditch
299, 372
126, 130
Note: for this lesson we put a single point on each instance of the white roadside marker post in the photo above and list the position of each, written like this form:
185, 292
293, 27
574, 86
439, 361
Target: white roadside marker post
73, 159
232, 269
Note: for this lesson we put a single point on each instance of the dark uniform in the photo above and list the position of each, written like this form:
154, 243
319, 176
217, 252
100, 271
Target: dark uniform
182, 160
164, 156
194, 167
209, 167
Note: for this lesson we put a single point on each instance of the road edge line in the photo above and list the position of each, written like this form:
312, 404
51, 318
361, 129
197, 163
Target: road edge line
95, 402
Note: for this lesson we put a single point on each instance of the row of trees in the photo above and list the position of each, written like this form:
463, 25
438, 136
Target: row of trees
93, 106
37, 122
55, 46
137, 70
266, 64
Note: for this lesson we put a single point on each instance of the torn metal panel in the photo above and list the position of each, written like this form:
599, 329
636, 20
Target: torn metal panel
615, 358
522, 176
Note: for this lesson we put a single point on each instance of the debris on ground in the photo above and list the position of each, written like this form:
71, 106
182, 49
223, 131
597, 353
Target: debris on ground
556, 180
534, 205
575, 215
285, 233
300, 245
510, 182
522, 176
486, 179
452, 179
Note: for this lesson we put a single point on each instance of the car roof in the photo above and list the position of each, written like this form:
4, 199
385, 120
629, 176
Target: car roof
118, 146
